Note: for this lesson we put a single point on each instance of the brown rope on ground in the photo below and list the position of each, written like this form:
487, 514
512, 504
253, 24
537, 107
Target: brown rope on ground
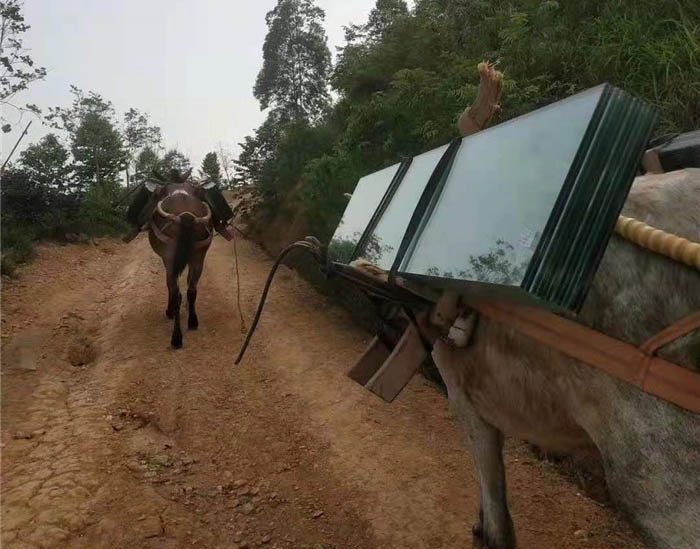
238, 286
310, 244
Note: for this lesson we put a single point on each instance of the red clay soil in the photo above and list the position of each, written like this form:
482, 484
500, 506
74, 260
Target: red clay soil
112, 439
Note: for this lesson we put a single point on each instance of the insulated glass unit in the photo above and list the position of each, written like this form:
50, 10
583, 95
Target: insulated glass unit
382, 245
364, 201
499, 194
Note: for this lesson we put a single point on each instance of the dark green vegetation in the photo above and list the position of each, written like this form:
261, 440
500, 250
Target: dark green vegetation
211, 168
70, 182
403, 78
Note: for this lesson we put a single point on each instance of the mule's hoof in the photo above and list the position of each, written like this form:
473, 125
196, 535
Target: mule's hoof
192, 323
483, 540
176, 342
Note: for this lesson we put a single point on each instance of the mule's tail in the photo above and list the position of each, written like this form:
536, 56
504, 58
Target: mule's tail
185, 243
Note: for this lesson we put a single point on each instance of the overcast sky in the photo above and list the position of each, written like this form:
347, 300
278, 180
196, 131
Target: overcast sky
190, 64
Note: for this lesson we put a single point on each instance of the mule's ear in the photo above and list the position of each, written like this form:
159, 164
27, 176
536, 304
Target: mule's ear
186, 175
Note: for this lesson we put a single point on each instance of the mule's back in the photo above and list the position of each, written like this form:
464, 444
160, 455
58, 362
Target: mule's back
637, 293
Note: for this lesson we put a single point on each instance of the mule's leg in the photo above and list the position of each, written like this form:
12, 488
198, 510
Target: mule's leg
168, 280
174, 302
172, 285
176, 339
495, 526
193, 274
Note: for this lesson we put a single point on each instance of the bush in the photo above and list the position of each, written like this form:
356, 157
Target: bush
33, 211
17, 245
98, 216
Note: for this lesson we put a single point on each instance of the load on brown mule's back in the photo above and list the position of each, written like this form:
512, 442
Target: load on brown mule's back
181, 224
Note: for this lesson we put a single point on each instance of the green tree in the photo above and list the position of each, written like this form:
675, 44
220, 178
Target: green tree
70, 118
48, 164
211, 167
96, 143
138, 134
174, 160
404, 77
98, 151
296, 61
255, 161
146, 162
17, 70
374, 50
381, 20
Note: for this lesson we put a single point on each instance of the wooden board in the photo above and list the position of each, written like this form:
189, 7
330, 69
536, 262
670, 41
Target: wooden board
399, 368
371, 360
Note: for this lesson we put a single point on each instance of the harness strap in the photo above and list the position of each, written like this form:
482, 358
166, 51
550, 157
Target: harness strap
652, 374
674, 331
164, 238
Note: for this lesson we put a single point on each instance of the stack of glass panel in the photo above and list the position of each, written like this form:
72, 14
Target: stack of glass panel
524, 208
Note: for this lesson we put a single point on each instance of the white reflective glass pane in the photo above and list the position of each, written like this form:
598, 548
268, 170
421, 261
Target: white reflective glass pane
384, 243
365, 198
499, 195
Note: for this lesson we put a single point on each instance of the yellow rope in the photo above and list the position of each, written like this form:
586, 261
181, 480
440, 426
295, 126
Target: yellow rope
673, 246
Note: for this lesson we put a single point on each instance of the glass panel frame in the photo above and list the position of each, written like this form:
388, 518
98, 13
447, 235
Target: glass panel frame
479, 144
369, 193
381, 245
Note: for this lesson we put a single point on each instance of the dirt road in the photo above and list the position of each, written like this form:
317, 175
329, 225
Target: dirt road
112, 439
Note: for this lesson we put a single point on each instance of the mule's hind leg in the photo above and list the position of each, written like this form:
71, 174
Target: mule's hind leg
172, 288
495, 527
169, 311
174, 302
193, 274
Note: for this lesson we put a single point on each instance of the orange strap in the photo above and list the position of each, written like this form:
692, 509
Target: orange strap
639, 367
674, 331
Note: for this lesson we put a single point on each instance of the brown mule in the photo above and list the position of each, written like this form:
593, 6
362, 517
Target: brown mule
180, 232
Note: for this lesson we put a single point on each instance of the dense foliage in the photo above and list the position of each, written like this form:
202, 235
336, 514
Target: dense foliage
72, 184
404, 76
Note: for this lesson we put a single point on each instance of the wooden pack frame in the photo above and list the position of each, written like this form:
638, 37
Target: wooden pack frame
386, 372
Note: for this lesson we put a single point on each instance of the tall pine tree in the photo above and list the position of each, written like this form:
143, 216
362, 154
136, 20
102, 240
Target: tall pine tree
296, 61
211, 168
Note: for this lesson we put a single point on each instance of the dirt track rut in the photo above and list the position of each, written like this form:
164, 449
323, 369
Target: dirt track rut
112, 439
